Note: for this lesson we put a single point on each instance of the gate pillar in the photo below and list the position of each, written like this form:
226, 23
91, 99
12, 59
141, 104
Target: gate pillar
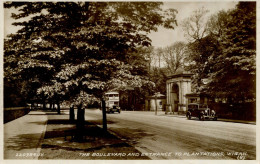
177, 86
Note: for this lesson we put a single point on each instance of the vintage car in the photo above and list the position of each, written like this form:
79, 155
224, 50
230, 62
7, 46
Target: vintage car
114, 108
201, 111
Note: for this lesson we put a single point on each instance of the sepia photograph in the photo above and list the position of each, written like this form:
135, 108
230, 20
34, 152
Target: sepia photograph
129, 80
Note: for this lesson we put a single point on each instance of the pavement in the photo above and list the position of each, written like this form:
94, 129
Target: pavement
23, 137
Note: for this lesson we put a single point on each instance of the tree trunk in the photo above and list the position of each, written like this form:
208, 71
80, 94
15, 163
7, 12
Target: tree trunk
72, 115
50, 105
80, 123
58, 107
129, 101
80, 117
104, 114
44, 104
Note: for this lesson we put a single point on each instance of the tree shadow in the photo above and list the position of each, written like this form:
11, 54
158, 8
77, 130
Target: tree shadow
133, 136
66, 128
100, 122
23, 141
91, 149
47, 113
66, 121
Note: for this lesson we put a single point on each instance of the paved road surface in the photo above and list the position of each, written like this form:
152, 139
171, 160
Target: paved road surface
175, 137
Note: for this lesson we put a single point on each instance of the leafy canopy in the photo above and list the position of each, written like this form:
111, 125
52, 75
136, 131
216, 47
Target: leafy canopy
223, 59
75, 46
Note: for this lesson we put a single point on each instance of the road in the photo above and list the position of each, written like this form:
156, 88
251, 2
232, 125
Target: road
174, 137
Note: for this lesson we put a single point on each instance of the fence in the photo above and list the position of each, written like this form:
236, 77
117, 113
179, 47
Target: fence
240, 111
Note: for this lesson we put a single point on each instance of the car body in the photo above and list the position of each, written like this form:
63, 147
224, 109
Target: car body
201, 111
113, 109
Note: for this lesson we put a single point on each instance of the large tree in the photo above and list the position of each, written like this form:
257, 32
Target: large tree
234, 74
223, 59
195, 26
72, 47
195, 29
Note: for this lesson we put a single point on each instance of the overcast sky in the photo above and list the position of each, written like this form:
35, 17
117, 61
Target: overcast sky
163, 37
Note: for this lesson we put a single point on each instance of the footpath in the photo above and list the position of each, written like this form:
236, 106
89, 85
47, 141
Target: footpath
23, 136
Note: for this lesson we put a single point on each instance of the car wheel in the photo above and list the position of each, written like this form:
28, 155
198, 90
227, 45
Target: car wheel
202, 118
118, 111
215, 118
188, 116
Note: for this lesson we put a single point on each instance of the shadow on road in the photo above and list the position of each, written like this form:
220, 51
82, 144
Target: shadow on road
100, 122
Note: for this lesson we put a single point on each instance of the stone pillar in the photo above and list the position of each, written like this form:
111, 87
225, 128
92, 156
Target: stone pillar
180, 92
189, 86
170, 102
185, 85
167, 93
167, 96
180, 95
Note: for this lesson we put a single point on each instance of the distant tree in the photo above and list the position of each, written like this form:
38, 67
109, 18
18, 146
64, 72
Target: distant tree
174, 56
195, 26
159, 77
84, 46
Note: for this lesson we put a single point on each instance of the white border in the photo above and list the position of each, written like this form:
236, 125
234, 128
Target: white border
257, 161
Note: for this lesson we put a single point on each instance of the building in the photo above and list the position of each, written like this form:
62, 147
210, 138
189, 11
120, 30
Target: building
156, 101
177, 86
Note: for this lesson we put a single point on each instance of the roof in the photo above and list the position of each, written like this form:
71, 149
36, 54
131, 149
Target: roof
112, 92
156, 95
180, 72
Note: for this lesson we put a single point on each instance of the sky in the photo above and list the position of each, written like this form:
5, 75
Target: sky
163, 37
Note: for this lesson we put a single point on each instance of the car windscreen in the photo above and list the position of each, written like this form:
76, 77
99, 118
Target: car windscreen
203, 106
193, 106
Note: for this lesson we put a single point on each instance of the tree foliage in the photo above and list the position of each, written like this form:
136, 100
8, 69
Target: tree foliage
174, 56
195, 26
71, 47
223, 60
77, 49
234, 74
